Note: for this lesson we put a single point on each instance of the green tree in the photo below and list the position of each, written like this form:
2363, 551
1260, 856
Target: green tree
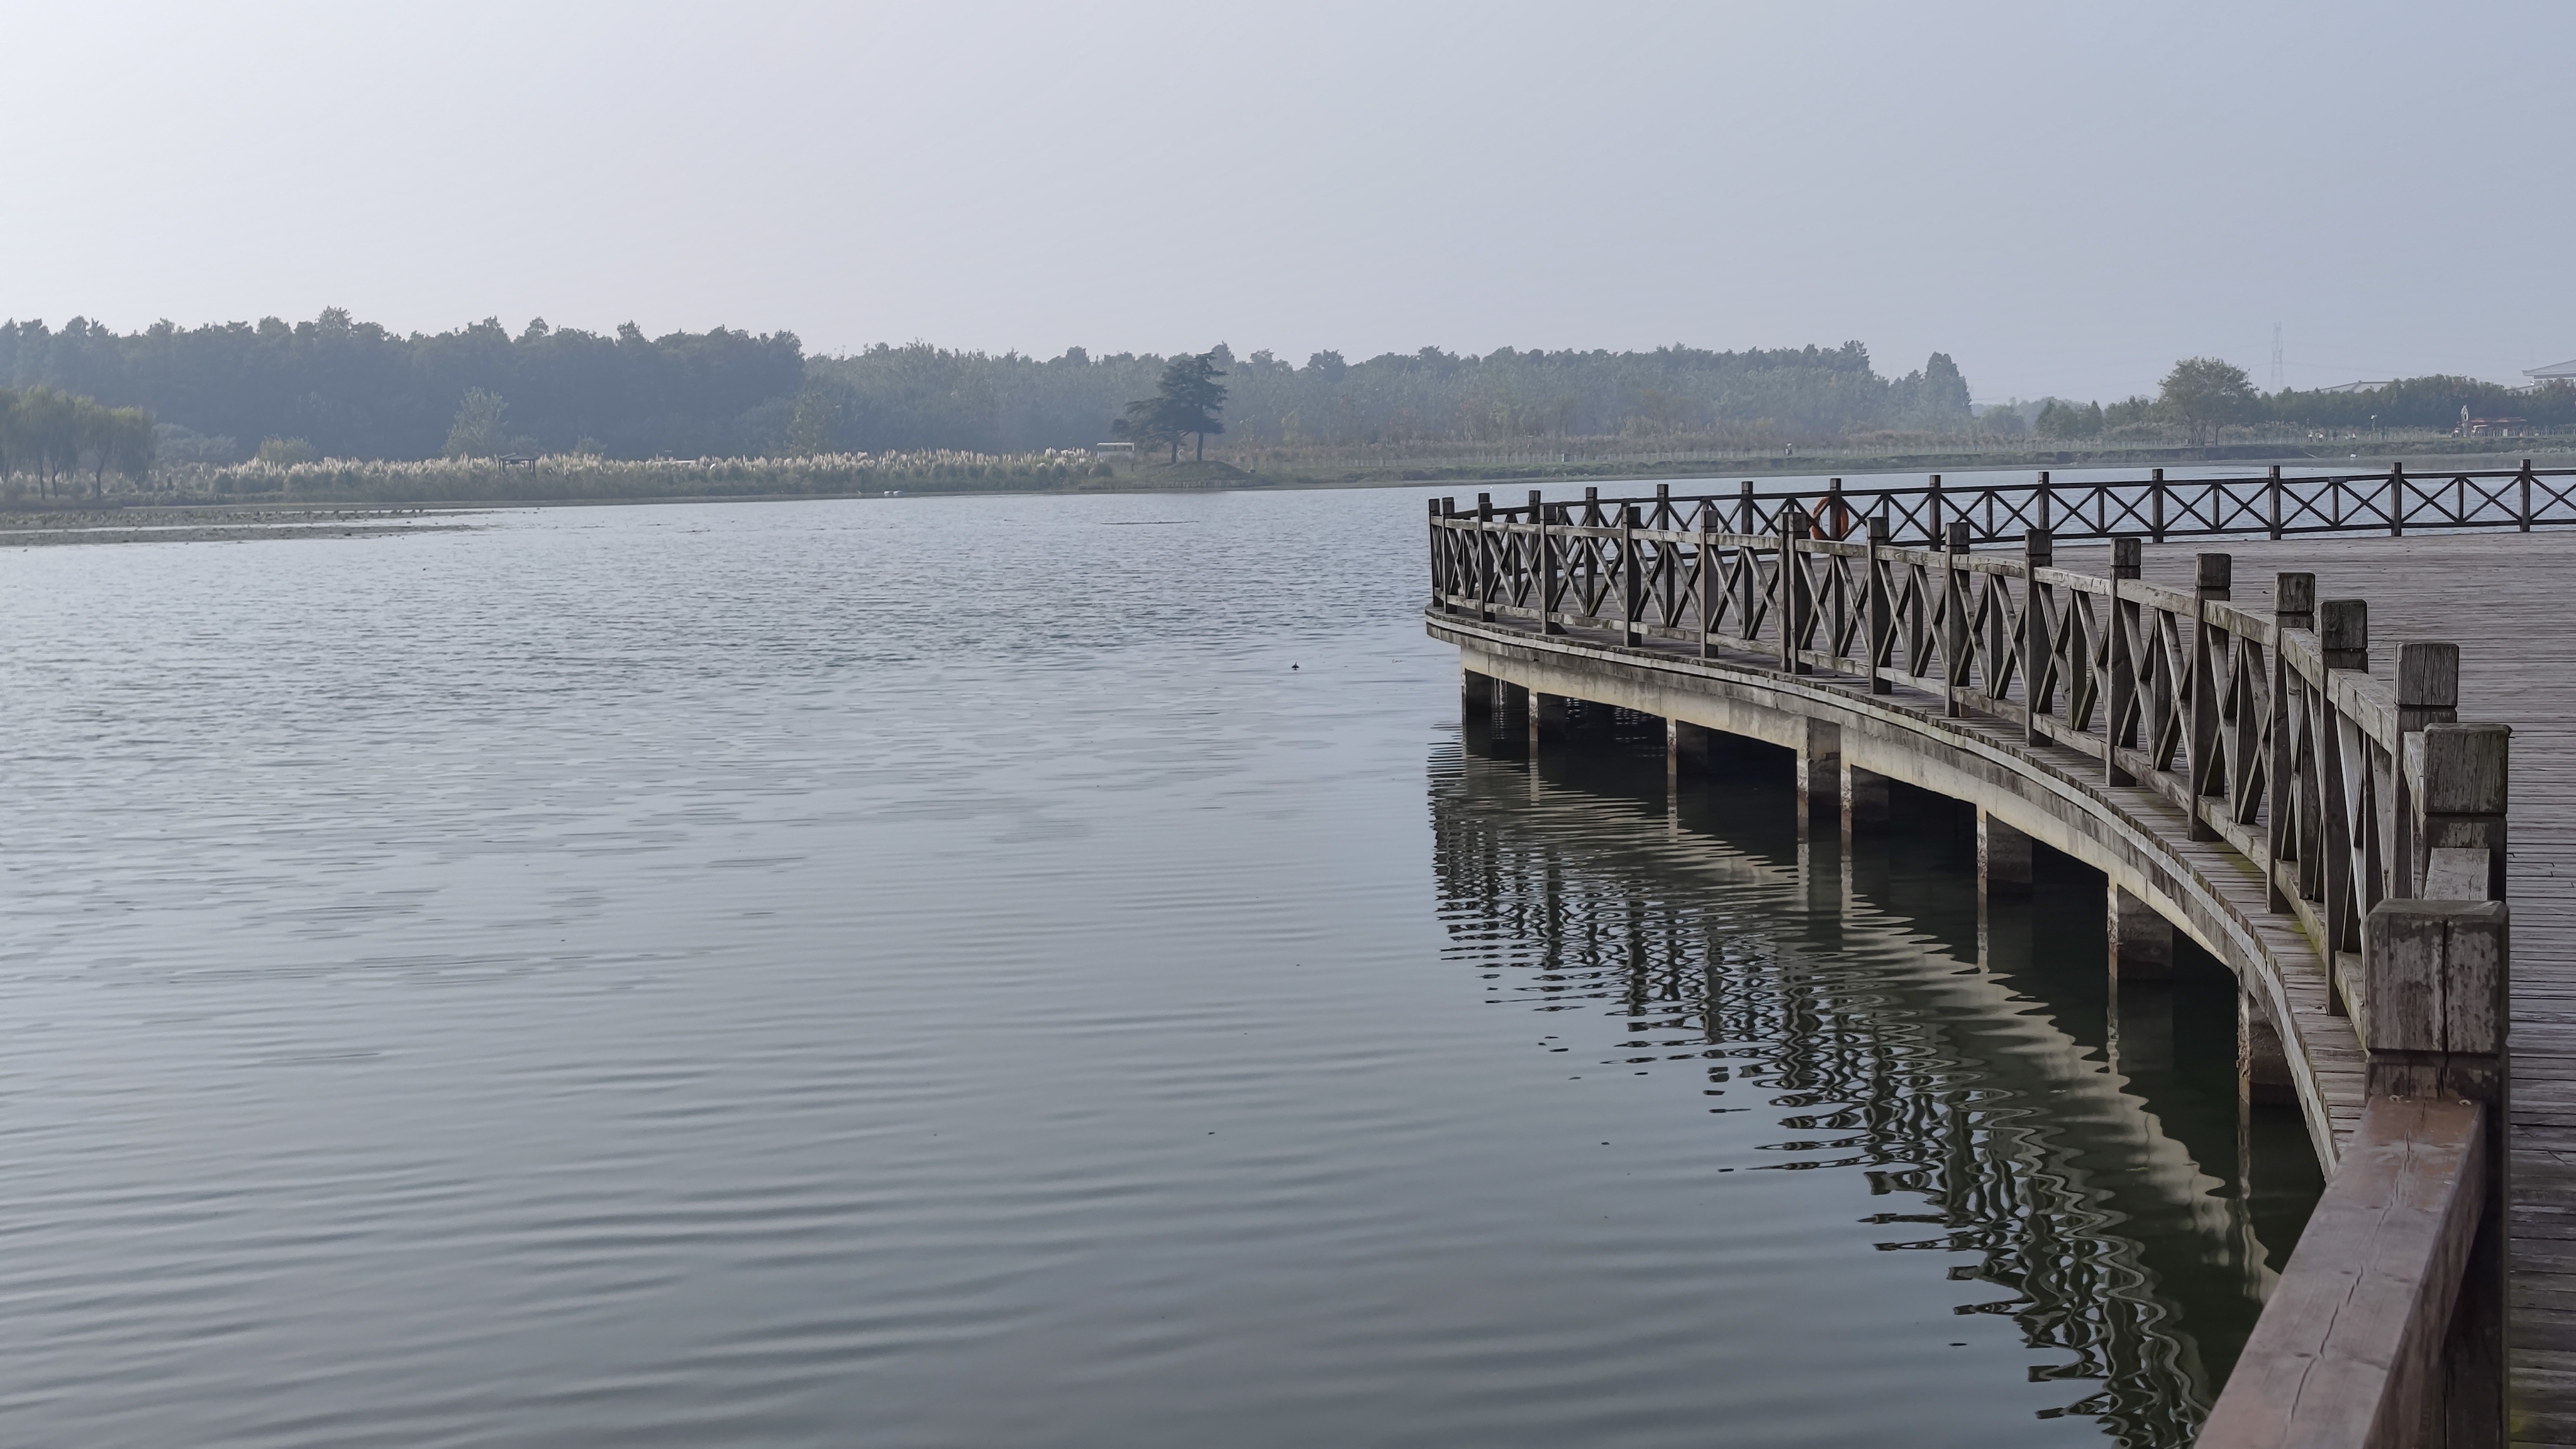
1934, 399
1144, 426
814, 426
1186, 401
94, 430
49, 433
133, 444
2064, 420
285, 452
2129, 412
2204, 394
48, 427
481, 428
8, 434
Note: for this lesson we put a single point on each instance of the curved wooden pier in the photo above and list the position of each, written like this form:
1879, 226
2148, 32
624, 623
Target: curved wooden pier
2232, 762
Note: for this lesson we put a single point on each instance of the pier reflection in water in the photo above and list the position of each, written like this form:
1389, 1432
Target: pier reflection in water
2081, 1166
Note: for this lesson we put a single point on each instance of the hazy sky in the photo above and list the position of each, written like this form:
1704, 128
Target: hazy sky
2064, 197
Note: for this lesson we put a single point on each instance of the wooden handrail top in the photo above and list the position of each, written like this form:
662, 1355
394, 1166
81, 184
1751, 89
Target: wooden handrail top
2351, 1338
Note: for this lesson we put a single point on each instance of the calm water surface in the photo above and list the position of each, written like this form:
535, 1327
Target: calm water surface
1046, 971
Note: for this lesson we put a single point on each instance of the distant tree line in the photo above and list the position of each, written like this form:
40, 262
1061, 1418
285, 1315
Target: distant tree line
907, 397
355, 389
336, 387
48, 436
2203, 396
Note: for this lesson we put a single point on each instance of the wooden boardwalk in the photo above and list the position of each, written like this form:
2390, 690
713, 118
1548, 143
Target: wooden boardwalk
2491, 594
2503, 598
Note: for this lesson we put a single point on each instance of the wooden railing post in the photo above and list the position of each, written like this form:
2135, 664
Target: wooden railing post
1880, 614
2428, 692
1632, 593
1747, 520
2457, 783
1955, 582
1748, 570
2294, 606
2397, 500
1932, 531
1711, 584
1545, 562
2522, 519
2438, 973
2214, 580
2156, 504
1439, 555
1794, 602
1485, 557
2120, 658
2343, 633
2343, 641
2047, 504
2038, 551
1836, 520
2272, 499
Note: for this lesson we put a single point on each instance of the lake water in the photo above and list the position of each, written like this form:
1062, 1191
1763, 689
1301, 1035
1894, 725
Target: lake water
1021, 972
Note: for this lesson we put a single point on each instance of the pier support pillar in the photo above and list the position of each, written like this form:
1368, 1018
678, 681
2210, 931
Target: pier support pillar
2262, 1063
2142, 942
2004, 926
2142, 1027
1548, 716
1864, 801
2003, 857
1511, 711
1685, 749
1820, 772
1478, 694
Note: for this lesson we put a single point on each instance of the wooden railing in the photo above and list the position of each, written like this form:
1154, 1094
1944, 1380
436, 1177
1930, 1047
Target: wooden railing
2376, 818
2154, 508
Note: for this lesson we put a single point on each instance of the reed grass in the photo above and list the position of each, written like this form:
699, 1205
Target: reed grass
582, 477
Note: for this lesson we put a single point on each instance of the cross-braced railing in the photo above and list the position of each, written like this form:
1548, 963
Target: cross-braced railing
2246, 721
2375, 818
2155, 508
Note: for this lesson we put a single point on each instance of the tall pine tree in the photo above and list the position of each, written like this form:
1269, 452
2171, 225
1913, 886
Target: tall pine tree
1187, 401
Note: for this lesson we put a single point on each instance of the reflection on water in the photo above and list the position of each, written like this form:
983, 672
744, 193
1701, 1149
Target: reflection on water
1954, 1064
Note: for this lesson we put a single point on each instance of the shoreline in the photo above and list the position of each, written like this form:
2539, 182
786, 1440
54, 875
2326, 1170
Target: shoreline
61, 522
